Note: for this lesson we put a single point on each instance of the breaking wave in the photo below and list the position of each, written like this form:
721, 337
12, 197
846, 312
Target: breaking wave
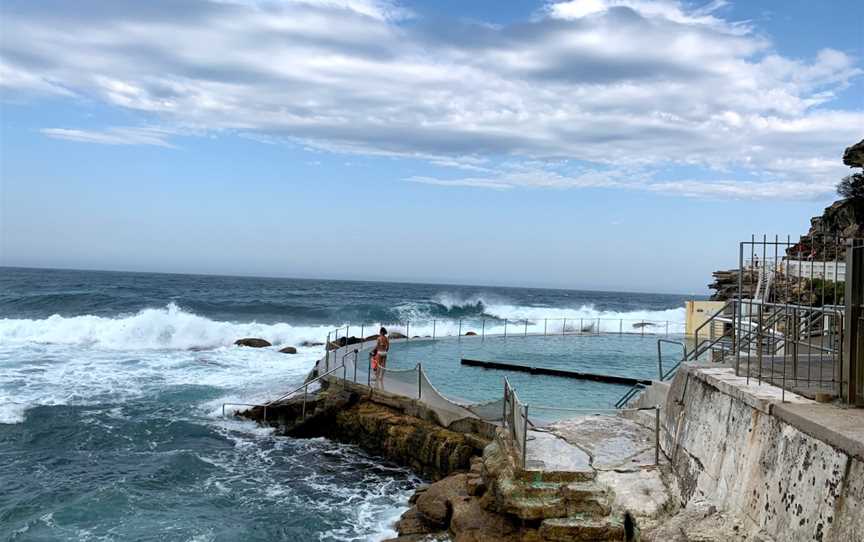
169, 328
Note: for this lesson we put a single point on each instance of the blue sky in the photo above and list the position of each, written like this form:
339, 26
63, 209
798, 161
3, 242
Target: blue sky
607, 144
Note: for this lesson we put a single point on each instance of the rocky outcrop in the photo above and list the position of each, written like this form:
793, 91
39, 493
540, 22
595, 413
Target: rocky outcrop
252, 342
288, 350
387, 430
344, 341
854, 156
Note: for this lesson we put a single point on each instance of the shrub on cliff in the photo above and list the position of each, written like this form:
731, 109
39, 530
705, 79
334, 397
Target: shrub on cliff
852, 186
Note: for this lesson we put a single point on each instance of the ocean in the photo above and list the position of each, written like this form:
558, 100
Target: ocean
112, 385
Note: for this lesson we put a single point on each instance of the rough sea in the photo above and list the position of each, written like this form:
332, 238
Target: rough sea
112, 384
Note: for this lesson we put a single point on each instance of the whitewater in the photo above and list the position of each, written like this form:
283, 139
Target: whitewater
111, 388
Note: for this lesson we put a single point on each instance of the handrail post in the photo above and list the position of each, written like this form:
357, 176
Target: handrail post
545, 322
581, 325
419, 381
620, 326
526, 328
656, 434
503, 413
408, 330
459, 333
659, 361
356, 357
483, 329
434, 325
643, 328
525, 437
564, 327
305, 388
505, 328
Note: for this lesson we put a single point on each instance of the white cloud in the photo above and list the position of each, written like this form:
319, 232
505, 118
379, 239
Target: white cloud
618, 83
113, 136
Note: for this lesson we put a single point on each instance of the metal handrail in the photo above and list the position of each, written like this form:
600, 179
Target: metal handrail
307, 384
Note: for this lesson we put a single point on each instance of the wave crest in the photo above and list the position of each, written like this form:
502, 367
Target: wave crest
169, 328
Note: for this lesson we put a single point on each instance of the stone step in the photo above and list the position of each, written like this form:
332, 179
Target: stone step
543, 500
582, 527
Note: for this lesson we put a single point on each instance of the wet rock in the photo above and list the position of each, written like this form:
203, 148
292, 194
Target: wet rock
396, 335
343, 341
435, 504
252, 342
471, 522
470, 334
288, 350
412, 522
311, 343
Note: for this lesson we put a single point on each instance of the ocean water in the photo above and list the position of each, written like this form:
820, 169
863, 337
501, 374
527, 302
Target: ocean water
111, 388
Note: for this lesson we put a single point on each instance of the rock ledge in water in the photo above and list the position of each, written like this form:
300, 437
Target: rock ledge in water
288, 350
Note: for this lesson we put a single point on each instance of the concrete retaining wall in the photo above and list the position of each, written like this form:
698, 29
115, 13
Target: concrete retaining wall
728, 449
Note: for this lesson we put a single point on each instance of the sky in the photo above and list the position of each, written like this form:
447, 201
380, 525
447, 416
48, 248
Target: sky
595, 144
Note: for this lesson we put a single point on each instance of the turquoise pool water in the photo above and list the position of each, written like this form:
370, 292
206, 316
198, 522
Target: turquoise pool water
620, 355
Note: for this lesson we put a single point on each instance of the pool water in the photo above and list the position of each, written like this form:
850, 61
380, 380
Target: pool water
620, 355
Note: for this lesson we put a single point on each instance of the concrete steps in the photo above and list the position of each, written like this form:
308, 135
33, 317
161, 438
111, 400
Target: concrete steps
546, 500
582, 527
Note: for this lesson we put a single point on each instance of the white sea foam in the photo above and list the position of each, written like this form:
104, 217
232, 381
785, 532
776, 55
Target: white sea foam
164, 328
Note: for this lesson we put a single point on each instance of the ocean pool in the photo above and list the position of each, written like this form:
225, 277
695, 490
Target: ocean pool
626, 355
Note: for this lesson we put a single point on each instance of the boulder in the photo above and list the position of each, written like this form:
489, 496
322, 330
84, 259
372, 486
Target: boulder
311, 343
288, 350
854, 156
343, 341
252, 342
470, 334
435, 504
396, 335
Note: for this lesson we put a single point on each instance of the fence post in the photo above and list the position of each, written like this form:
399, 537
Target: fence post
656, 434
504, 412
852, 381
525, 437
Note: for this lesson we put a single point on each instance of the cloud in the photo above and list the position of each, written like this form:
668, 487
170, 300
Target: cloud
113, 136
611, 83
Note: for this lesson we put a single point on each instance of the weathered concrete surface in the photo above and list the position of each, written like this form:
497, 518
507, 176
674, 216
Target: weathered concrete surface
548, 452
776, 480
842, 428
611, 442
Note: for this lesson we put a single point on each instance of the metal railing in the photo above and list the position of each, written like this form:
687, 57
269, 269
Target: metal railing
515, 422
304, 388
495, 327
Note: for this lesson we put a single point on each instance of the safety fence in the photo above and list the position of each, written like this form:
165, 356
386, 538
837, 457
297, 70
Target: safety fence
484, 327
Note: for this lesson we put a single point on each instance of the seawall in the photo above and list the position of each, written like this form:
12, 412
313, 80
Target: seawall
771, 467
